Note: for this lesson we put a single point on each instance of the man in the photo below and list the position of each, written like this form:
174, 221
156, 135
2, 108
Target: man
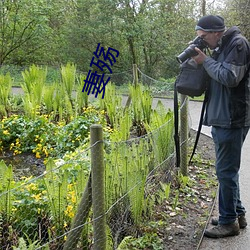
228, 112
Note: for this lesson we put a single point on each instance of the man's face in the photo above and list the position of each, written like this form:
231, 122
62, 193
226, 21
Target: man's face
211, 38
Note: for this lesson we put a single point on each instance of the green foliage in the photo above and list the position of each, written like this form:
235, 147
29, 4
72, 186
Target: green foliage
23, 25
55, 196
48, 98
5, 89
43, 137
29, 245
82, 98
33, 85
184, 181
147, 241
141, 103
6, 184
126, 172
176, 199
57, 188
164, 191
30, 206
114, 107
68, 73
146, 33
161, 126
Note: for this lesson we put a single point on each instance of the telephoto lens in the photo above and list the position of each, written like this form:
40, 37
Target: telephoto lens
190, 50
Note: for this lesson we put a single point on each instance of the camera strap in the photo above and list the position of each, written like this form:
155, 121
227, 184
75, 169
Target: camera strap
199, 127
176, 127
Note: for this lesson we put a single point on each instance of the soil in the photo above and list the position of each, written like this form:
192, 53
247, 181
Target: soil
186, 223
25, 164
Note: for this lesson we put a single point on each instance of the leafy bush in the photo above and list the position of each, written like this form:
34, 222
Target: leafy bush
43, 137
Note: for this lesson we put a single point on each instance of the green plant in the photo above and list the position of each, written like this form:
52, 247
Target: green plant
48, 98
33, 85
30, 208
176, 199
82, 98
141, 104
23, 134
5, 89
62, 104
147, 241
164, 191
184, 181
121, 131
44, 137
56, 187
68, 74
6, 196
113, 108
161, 128
22, 245
126, 172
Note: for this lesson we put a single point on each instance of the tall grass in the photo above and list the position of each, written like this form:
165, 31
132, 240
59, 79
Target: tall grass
5, 90
112, 105
33, 85
161, 128
6, 184
68, 74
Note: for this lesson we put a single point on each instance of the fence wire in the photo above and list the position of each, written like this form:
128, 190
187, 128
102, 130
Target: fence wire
41, 210
158, 87
44, 210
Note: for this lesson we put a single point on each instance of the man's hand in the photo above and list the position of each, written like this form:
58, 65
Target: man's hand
200, 58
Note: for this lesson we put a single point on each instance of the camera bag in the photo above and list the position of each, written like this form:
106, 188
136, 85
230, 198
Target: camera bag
192, 79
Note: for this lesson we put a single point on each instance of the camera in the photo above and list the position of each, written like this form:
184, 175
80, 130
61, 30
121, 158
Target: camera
190, 51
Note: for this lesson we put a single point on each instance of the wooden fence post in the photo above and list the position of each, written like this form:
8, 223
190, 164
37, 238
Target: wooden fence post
135, 82
80, 218
98, 194
135, 74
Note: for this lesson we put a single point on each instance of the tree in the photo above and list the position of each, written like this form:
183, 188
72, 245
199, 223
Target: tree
237, 12
21, 21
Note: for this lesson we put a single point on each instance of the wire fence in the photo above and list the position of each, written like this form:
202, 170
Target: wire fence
55, 210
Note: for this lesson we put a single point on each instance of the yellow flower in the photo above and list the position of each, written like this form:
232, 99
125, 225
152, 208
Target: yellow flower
14, 209
38, 155
6, 132
45, 151
69, 211
73, 199
103, 112
37, 196
16, 152
31, 187
12, 145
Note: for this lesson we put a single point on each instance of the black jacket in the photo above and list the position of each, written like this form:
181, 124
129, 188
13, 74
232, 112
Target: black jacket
229, 90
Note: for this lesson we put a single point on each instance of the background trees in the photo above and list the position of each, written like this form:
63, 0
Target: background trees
149, 33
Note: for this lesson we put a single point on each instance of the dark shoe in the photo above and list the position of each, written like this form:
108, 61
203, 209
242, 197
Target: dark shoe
241, 219
221, 231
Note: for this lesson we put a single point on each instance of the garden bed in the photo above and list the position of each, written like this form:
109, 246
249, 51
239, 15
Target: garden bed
185, 226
